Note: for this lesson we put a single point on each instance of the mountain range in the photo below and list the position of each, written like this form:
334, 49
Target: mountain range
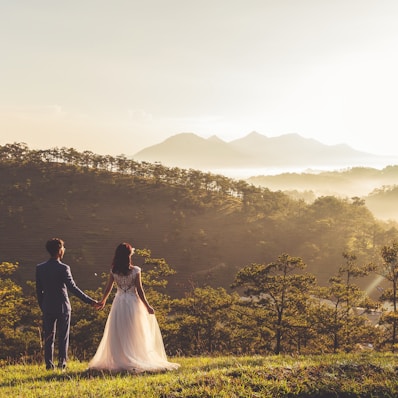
188, 150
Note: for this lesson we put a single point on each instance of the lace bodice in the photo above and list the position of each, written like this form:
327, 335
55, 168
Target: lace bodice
126, 283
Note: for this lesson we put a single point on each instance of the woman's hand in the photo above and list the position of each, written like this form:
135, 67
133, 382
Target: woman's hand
101, 304
150, 310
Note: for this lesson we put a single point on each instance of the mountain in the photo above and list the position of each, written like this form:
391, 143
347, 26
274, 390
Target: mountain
255, 150
189, 150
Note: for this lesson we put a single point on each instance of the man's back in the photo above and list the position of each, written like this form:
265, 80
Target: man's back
53, 280
52, 277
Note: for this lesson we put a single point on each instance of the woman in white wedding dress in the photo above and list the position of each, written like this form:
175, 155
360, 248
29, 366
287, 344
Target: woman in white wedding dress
132, 340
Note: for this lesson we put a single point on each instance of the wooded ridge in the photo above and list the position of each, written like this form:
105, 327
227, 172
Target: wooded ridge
206, 226
377, 188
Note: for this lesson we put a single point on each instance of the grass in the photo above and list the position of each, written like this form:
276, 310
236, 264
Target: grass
348, 375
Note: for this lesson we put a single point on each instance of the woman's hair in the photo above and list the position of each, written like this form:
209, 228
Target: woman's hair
122, 260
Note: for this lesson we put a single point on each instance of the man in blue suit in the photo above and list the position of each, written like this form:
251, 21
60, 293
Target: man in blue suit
53, 279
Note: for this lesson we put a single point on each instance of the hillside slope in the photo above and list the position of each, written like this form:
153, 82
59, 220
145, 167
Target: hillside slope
206, 227
375, 187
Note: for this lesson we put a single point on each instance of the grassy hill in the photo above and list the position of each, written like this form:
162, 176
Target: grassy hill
205, 226
353, 375
94, 212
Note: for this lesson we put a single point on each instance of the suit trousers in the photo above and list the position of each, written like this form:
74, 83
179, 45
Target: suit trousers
56, 324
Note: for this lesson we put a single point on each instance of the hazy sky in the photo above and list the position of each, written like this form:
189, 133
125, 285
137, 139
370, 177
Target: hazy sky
116, 76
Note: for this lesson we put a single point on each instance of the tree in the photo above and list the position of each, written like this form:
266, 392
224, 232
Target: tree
353, 295
10, 299
389, 270
10, 296
278, 289
249, 329
338, 316
201, 320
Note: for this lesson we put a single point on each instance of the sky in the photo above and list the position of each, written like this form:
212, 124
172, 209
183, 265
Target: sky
114, 77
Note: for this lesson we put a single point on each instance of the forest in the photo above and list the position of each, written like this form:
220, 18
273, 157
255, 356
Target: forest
377, 188
230, 267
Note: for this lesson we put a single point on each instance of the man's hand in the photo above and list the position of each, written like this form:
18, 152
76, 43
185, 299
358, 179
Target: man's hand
97, 305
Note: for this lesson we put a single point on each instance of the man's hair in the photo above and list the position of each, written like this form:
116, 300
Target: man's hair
53, 245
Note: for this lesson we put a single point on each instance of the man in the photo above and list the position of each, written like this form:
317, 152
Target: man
53, 279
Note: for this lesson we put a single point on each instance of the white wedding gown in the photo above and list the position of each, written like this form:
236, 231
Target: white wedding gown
132, 340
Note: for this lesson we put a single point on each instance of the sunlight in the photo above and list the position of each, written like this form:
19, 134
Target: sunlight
374, 284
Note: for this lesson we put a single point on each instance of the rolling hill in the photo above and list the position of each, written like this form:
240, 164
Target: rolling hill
206, 226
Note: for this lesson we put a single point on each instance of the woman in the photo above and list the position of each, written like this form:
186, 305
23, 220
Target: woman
132, 340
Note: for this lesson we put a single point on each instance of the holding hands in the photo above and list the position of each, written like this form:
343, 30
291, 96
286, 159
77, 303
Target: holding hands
101, 304
97, 305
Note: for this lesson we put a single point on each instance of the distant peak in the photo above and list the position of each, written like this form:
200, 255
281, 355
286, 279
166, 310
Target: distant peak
185, 134
255, 134
252, 138
214, 138
184, 137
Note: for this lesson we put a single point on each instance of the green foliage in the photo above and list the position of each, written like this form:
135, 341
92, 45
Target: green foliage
339, 321
154, 276
283, 313
279, 291
10, 299
389, 270
203, 321
19, 335
7, 268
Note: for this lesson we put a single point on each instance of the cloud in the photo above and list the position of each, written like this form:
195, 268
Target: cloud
140, 116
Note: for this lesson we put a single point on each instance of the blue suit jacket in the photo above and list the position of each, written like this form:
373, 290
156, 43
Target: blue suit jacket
53, 279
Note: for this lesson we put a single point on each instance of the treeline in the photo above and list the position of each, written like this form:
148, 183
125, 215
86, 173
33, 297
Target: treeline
274, 308
19, 153
194, 218
208, 226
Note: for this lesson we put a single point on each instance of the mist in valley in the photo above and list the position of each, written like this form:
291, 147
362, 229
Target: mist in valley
376, 187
